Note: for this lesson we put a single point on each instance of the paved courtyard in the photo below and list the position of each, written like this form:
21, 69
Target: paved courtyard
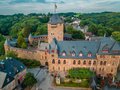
45, 80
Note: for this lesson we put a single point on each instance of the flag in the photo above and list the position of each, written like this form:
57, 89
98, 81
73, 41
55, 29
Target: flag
55, 6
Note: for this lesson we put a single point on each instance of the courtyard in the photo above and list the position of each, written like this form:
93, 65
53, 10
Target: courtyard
45, 80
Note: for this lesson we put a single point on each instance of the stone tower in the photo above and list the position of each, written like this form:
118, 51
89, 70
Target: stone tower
55, 28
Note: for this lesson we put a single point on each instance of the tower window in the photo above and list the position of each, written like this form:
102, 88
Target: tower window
53, 61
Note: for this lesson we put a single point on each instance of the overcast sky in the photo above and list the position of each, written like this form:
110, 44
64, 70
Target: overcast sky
45, 6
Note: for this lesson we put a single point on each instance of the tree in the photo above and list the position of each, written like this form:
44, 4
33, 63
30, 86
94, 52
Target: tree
26, 31
11, 54
78, 35
21, 41
24, 45
29, 80
116, 35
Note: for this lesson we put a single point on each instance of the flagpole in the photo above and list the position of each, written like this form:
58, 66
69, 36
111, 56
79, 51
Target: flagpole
55, 8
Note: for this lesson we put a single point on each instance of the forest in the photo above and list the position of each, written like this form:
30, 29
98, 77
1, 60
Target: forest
20, 25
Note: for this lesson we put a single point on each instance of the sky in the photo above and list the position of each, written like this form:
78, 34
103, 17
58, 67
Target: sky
45, 6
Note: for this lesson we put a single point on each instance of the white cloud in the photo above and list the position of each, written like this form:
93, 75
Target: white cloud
39, 6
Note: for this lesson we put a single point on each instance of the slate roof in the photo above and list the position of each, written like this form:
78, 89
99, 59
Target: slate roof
43, 46
55, 19
84, 47
9, 68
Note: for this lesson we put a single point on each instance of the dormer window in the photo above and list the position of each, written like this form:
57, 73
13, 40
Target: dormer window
73, 53
89, 54
80, 54
105, 49
63, 53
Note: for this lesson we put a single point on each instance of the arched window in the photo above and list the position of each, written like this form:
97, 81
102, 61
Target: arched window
101, 63
64, 62
73, 53
53, 61
104, 62
80, 54
63, 53
74, 62
79, 62
89, 62
84, 62
94, 63
58, 61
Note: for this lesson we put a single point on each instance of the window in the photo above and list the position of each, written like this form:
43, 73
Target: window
74, 62
58, 61
73, 53
105, 62
94, 63
64, 62
101, 63
89, 54
81, 54
53, 61
79, 62
111, 70
84, 62
89, 62
63, 53
105, 49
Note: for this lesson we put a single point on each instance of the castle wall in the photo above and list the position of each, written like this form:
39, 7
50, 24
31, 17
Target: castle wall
29, 54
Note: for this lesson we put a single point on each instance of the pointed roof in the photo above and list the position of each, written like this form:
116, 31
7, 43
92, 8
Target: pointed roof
30, 35
55, 19
6, 42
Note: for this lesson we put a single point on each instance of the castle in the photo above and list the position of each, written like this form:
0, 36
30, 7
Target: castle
60, 55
